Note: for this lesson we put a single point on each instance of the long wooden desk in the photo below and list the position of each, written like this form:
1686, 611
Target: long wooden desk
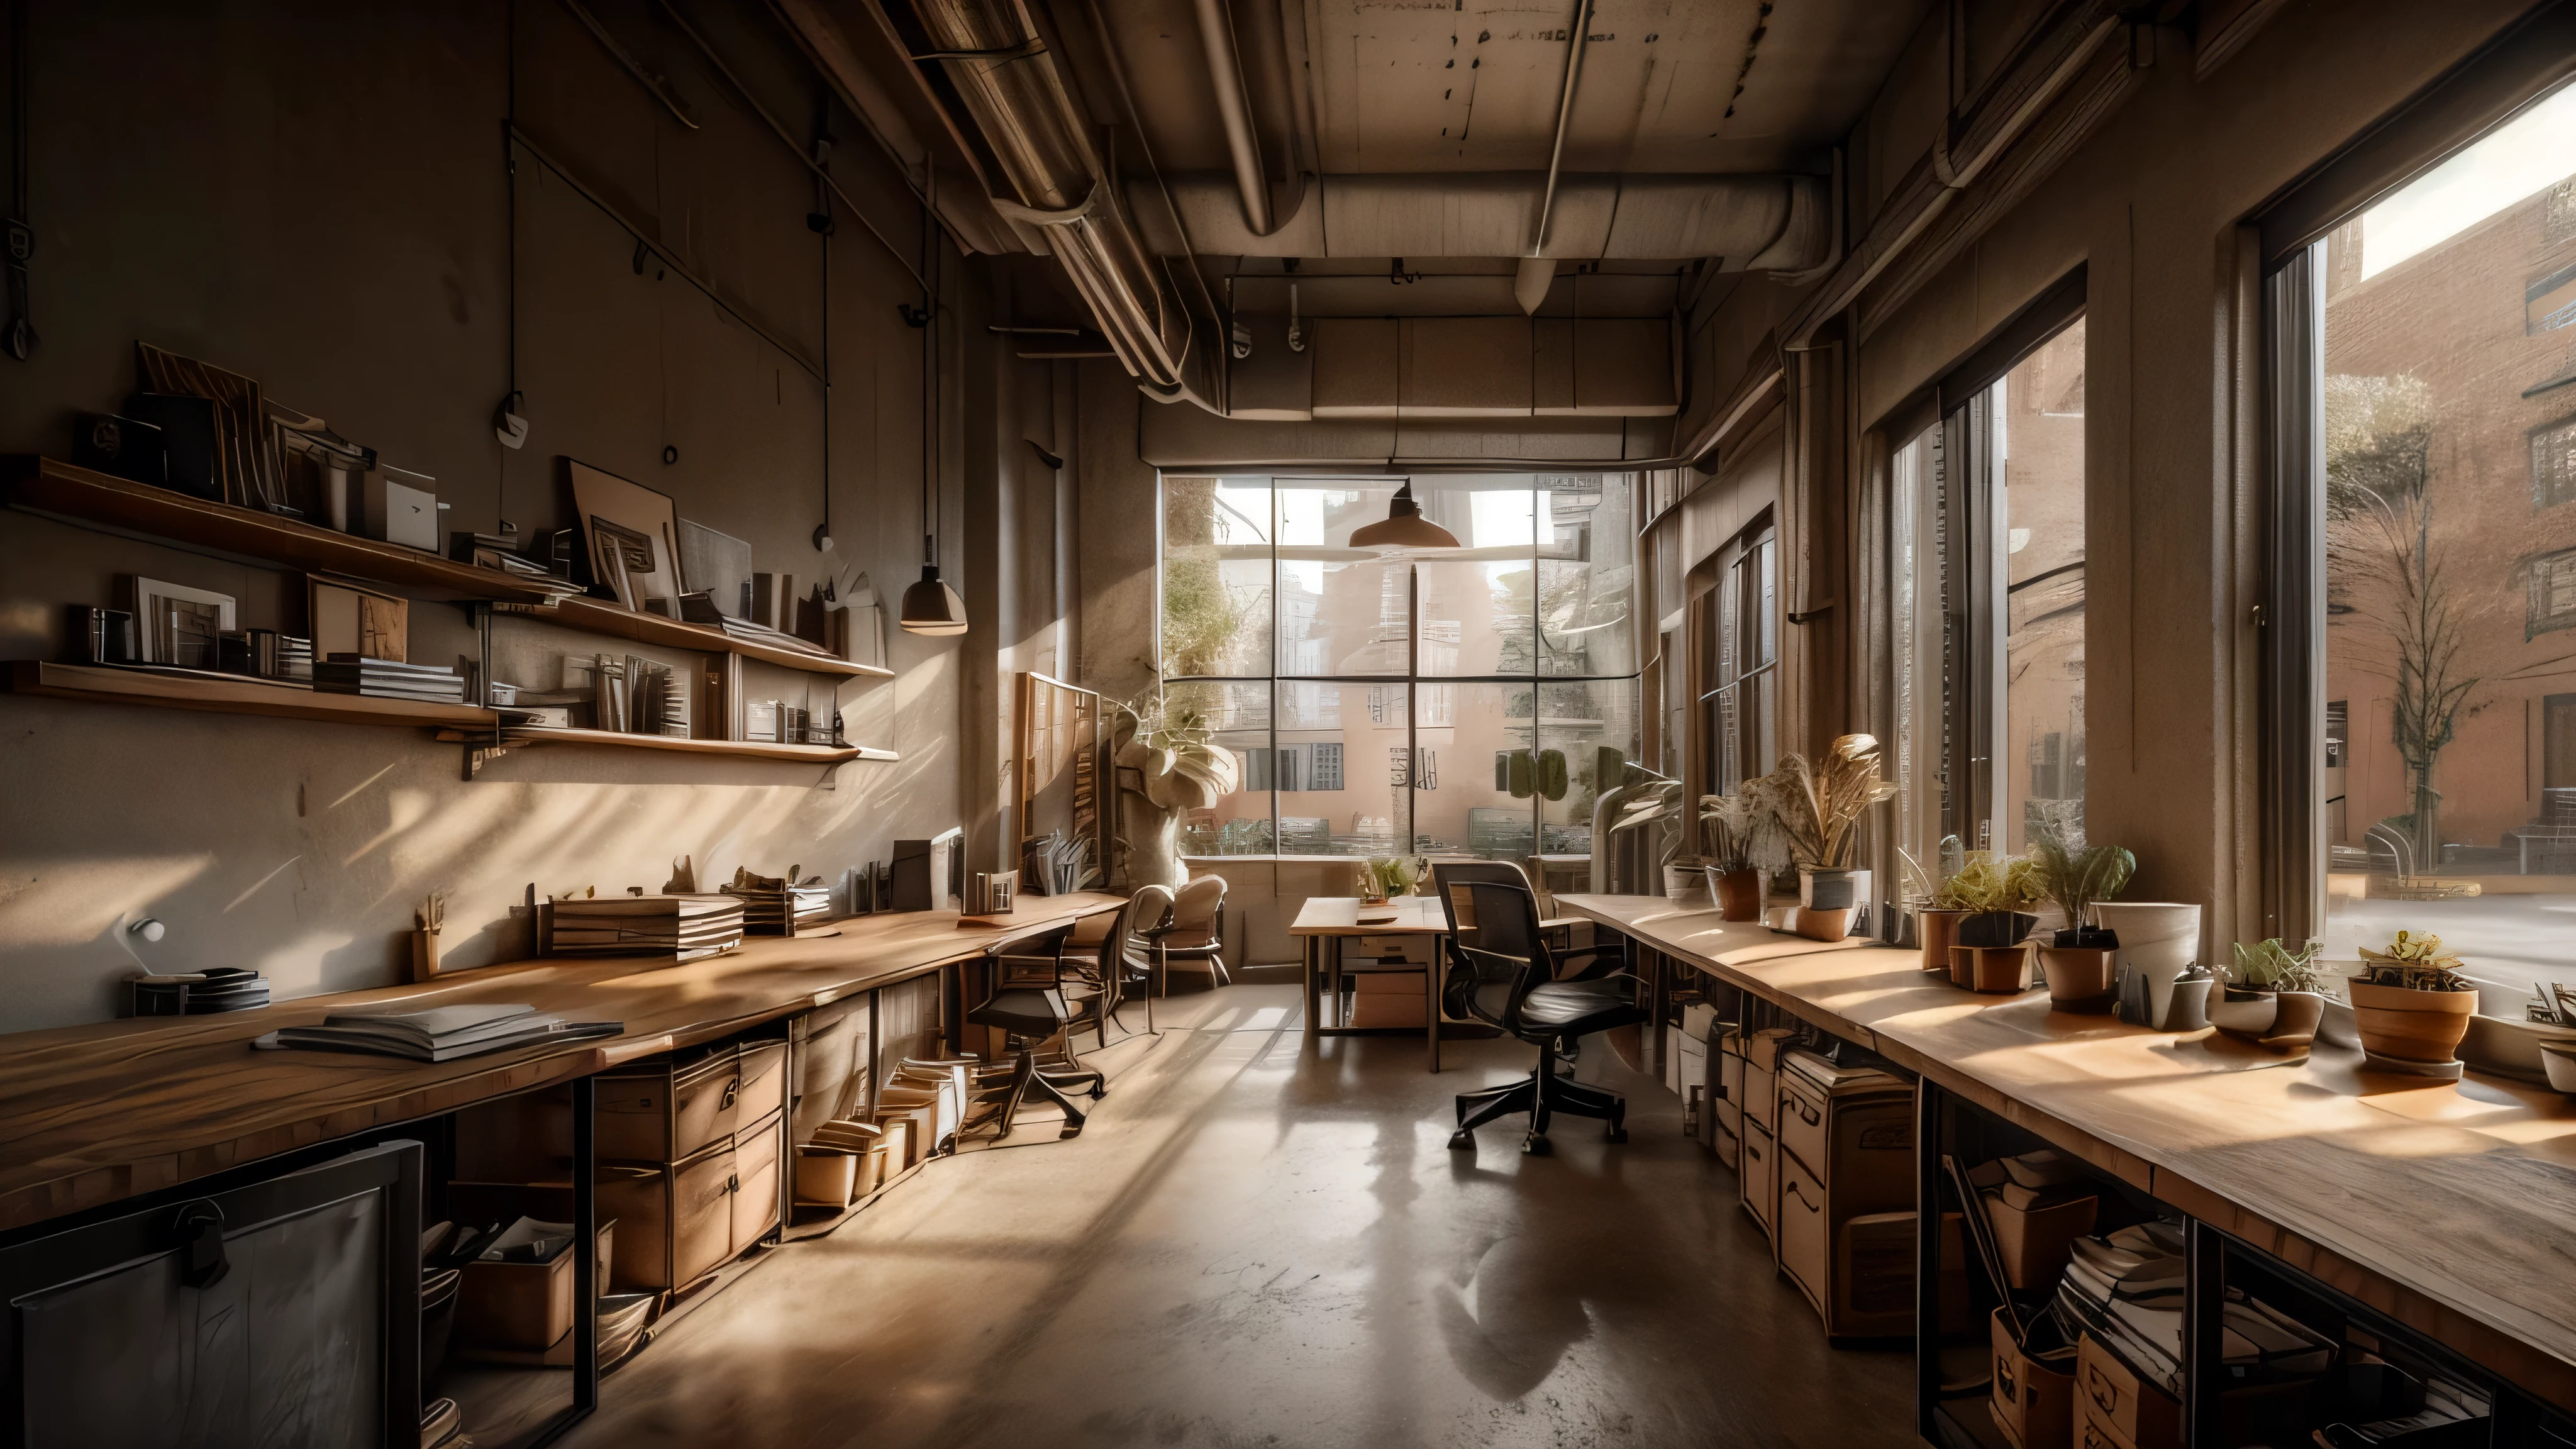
2451, 1207
94, 1114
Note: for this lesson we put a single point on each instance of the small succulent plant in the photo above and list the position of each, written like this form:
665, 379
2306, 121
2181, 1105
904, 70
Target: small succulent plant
2271, 966
2416, 962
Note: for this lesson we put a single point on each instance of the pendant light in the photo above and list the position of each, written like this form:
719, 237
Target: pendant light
1405, 527
930, 606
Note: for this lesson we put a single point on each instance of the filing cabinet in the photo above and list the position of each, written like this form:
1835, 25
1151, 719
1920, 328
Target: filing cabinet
1845, 1192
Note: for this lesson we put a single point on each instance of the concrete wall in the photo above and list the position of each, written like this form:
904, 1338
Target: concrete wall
318, 196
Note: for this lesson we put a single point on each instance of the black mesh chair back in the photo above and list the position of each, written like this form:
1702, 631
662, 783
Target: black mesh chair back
1496, 959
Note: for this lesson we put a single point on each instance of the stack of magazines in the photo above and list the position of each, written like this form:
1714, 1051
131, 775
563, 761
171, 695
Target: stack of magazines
773, 907
200, 993
2126, 1290
388, 679
436, 1034
688, 926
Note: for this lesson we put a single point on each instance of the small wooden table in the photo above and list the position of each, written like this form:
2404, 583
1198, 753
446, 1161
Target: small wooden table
1324, 923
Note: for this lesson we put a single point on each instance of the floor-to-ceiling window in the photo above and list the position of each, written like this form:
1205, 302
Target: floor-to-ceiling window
1993, 576
2426, 379
1449, 701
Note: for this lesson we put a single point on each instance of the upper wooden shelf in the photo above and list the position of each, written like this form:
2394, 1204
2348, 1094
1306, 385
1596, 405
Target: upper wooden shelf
48, 486
745, 749
63, 490
234, 696
602, 617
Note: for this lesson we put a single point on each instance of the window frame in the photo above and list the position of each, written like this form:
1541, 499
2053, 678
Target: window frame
2526, 62
1420, 766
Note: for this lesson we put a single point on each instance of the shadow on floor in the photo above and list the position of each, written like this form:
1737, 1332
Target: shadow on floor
1262, 1241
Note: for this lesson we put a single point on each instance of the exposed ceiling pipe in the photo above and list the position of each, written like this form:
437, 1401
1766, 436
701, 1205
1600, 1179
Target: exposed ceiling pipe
1756, 221
1008, 80
1564, 113
1225, 75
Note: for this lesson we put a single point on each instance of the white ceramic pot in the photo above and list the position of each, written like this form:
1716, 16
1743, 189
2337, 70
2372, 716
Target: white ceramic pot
1685, 885
1833, 890
2560, 1063
2158, 939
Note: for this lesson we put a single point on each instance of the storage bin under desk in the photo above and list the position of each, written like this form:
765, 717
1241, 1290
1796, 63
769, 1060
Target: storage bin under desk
1845, 1193
680, 1221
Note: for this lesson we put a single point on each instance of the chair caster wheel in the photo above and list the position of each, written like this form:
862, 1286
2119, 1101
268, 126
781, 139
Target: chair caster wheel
1615, 1134
1535, 1147
1462, 1141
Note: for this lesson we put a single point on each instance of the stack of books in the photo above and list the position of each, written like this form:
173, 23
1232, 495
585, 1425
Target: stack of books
772, 907
698, 608
200, 993
388, 679
438, 1033
267, 654
687, 926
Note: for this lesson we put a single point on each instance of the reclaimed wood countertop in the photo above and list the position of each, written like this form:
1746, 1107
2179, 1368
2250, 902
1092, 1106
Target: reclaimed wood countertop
97, 1113
2449, 1206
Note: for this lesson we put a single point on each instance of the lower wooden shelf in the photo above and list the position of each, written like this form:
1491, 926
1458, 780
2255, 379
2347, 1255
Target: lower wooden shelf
242, 695
741, 749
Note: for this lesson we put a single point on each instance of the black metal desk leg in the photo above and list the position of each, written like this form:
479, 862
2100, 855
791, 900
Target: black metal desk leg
2204, 1304
585, 1269
1930, 1194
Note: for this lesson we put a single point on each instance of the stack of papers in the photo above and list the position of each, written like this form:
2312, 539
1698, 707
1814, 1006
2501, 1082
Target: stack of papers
436, 1034
199, 993
784, 911
2126, 1290
388, 679
688, 926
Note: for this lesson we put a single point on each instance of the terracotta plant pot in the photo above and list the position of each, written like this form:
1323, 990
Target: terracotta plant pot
1739, 893
2079, 979
2296, 1025
2411, 1026
1994, 970
1820, 925
1940, 932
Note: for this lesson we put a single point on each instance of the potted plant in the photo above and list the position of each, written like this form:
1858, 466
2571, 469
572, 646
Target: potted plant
2158, 952
1384, 877
1936, 924
2077, 963
2412, 1006
1167, 762
1992, 895
1660, 805
1818, 805
1746, 848
2274, 995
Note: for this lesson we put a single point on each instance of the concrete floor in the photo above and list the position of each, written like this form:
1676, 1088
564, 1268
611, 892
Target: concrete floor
1261, 1243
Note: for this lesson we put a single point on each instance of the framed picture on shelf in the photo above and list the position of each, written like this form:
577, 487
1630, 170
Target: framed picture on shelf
177, 625
346, 618
631, 534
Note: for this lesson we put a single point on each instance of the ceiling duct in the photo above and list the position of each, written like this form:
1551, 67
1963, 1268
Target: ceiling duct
1009, 82
1779, 222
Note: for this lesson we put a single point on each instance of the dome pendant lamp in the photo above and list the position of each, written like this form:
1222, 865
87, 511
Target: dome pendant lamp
930, 606
1405, 527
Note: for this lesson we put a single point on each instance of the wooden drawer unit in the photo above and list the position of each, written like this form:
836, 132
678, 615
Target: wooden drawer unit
1756, 1180
679, 1221
668, 1111
1761, 1076
1852, 1127
1728, 1111
758, 1153
1802, 1230
2129, 1412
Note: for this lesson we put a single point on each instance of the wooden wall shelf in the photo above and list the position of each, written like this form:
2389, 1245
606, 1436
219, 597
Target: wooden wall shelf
599, 616
57, 489
226, 696
740, 749
49, 486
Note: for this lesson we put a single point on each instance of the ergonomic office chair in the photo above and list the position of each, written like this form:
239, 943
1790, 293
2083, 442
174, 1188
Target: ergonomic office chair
1507, 977
1032, 1003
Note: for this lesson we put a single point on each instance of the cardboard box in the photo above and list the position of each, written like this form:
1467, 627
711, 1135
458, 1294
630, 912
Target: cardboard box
2138, 1415
524, 1305
2033, 1402
2038, 1242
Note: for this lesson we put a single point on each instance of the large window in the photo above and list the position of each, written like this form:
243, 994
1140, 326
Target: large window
2429, 353
1456, 701
1739, 670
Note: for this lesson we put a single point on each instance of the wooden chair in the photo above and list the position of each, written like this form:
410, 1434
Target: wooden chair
1197, 935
